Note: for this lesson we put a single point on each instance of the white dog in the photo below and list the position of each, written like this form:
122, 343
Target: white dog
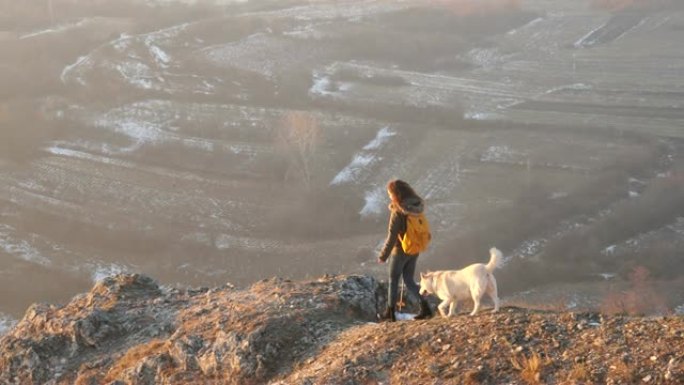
470, 282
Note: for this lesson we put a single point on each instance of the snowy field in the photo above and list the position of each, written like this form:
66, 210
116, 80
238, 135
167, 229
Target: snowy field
205, 142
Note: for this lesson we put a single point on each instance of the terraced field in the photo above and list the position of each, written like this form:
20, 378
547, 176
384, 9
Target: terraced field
232, 141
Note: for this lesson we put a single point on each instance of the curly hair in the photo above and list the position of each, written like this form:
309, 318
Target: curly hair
400, 190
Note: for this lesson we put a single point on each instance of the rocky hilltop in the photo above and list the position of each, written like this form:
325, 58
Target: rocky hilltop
129, 330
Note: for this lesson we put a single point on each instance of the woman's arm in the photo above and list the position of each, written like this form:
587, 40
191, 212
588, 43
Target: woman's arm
393, 231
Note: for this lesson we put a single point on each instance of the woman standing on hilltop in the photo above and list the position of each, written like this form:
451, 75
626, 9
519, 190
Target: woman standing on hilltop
404, 202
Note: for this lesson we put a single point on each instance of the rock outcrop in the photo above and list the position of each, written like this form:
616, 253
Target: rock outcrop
128, 330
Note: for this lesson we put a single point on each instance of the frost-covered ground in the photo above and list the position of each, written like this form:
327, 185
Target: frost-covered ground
213, 141
6, 323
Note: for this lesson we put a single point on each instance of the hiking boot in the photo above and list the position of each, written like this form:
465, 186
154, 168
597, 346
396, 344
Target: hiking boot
388, 315
425, 311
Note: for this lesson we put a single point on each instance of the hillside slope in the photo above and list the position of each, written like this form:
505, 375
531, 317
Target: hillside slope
128, 330
167, 137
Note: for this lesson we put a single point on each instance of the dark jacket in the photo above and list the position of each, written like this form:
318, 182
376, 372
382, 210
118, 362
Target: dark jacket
397, 224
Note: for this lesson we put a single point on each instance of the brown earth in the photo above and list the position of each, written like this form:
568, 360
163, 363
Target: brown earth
128, 330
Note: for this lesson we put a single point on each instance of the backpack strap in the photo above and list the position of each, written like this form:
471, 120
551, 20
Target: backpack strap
402, 231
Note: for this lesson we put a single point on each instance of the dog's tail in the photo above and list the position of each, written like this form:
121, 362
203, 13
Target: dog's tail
495, 259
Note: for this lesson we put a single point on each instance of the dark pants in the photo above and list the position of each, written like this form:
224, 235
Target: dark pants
402, 265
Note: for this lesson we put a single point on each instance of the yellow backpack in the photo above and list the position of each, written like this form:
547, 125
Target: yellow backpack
417, 235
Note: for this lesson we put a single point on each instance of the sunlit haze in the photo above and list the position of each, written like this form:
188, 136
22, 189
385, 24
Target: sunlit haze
205, 142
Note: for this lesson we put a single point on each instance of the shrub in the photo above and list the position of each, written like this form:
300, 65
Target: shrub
530, 367
641, 298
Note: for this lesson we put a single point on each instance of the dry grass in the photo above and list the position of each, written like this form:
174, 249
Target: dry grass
474, 377
622, 373
640, 298
579, 374
530, 368
132, 357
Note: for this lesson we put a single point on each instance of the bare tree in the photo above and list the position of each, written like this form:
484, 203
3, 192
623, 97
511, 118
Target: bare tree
299, 136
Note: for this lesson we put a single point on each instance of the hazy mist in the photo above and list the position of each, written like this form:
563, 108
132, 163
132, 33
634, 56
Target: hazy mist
204, 142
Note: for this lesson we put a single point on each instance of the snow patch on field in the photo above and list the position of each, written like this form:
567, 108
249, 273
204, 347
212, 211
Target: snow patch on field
262, 53
198, 237
487, 58
150, 122
502, 154
375, 202
32, 185
227, 241
354, 169
528, 25
558, 195
589, 39
678, 226
324, 86
100, 272
364, 159
161, 57
59, 150
56, 149
570, 87
139, 131
155, 122
56, 29
672, 232
613, 30
476, 115
140, 60
324, 10
20, 248
137, 74
307, 31
530, 248
80, 62
193, 2
610, 250
380, 139
679, 310
440, 181
6, 323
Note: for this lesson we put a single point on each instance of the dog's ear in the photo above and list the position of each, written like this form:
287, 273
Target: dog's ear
422, 276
